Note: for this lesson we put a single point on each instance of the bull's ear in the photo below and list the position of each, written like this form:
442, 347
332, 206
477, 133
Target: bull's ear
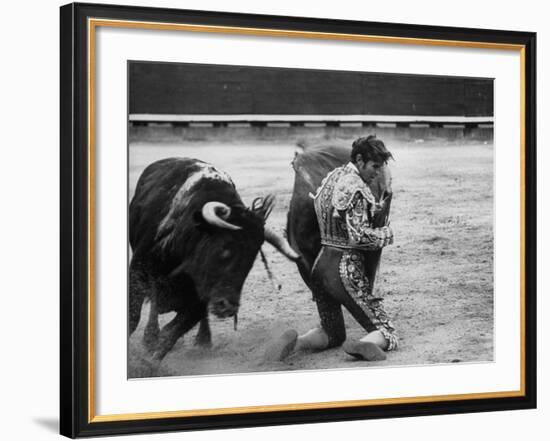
263, 206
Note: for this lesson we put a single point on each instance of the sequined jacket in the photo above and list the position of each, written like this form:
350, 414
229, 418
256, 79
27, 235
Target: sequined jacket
345, 206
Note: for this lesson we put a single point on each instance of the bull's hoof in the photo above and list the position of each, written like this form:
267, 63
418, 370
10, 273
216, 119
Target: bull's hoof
364, 350
203, 338
282, 347
203, 341
147, 367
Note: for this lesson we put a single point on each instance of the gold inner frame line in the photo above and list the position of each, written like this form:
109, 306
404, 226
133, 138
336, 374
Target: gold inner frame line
92, 25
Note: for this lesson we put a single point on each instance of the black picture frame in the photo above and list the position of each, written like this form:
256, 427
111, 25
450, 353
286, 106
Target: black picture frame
76, 417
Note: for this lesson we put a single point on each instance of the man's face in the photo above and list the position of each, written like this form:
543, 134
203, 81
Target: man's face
368, 170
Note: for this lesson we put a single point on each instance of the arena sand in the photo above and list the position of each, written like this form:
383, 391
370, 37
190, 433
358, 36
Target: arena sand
437, 278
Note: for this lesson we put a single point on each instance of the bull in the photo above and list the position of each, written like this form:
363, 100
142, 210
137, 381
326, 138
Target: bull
193, 244
311, 165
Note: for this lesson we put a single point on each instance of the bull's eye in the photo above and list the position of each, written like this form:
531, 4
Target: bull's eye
225, 254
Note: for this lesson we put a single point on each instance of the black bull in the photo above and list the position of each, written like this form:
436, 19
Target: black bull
311, 166
194, 243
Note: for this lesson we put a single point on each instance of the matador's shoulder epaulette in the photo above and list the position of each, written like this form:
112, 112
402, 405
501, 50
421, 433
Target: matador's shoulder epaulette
346, 188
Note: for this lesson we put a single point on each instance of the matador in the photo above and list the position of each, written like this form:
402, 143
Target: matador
345, 208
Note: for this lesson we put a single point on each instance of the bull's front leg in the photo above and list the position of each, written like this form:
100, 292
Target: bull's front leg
204, 336
173, 330
151, 333
139, 285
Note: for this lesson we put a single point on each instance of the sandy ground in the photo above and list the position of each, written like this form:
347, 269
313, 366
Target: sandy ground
437, 278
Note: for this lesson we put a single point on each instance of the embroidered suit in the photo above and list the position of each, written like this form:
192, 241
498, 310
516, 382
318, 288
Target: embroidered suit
345, 207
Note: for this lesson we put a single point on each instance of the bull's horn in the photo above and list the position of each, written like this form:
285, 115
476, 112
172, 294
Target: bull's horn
280, 243
210, 214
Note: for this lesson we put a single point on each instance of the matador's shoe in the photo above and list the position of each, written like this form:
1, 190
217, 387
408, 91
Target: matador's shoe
282, 347
364, 350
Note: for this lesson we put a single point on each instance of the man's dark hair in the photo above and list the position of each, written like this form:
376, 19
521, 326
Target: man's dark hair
370, 148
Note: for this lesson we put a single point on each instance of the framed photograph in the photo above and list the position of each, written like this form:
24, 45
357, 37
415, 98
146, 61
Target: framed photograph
273, 220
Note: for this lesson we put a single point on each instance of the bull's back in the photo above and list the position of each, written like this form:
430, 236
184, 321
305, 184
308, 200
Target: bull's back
155, 190
310, 168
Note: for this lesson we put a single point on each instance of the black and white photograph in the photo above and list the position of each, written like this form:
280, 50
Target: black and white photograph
275, 220
294, 219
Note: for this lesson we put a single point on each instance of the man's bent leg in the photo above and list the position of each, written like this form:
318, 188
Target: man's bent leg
348, 286
359, 287
332, 331
331, 319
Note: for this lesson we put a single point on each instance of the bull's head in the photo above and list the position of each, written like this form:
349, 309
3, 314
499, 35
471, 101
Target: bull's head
227, 241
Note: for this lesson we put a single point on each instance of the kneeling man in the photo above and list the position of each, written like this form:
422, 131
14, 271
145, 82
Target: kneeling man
345, 208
